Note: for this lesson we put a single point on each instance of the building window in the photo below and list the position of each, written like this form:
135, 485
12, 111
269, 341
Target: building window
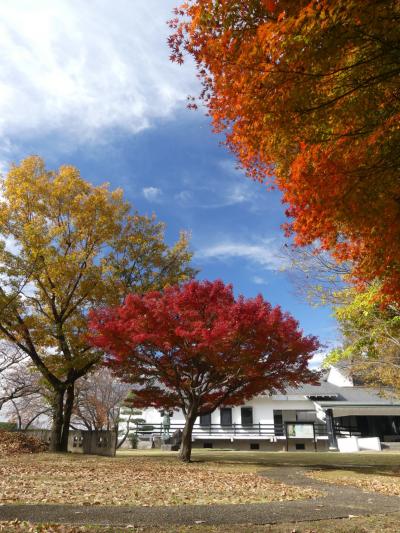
247, 416
305, 416
205, 420
300, 446
278, 423
207, 445
254, 446
226, 416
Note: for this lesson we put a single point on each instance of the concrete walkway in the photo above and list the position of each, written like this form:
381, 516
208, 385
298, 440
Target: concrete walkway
337, 502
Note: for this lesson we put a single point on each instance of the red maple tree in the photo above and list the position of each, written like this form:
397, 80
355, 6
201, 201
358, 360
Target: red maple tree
196, 347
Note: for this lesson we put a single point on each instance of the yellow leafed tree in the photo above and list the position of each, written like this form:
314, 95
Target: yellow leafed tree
68, 246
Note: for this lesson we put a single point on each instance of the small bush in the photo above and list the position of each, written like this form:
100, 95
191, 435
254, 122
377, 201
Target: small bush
134, 440
8, 426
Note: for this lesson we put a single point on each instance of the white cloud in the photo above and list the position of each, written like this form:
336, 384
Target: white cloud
230, 166
12, 245
152, 194
333, 341
184, 197
217, 195
85, 67
317, 360
239, 193
264, 252
258, 280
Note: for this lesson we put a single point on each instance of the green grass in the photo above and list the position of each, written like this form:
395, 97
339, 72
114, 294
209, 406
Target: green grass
266, 459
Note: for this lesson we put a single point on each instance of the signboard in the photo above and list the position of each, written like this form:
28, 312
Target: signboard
300, 431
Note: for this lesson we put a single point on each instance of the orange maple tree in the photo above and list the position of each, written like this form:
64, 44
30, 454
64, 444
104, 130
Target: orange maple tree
308, 95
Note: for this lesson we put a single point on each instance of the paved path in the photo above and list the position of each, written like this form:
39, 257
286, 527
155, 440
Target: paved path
337, 502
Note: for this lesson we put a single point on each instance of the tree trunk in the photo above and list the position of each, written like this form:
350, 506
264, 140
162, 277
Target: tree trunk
58, 418
69, 404
186, 446
119, 443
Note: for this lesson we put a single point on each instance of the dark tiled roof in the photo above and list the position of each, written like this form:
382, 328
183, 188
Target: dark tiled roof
355, 394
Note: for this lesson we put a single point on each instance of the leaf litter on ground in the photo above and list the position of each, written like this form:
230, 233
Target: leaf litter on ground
384, 483
91, 480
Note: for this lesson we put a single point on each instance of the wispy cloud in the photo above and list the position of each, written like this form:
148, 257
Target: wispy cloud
265, 252
258, 280
239, 193
333, 341
229, 188
85, 67
184, 197
230, 166
152, 194
225, 193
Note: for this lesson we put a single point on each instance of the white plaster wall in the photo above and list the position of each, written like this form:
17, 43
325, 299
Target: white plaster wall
152, 416
339, 378
263, 411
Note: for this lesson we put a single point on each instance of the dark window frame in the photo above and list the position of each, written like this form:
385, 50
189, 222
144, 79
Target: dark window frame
224, 411
278, 422
205, 420
250, 421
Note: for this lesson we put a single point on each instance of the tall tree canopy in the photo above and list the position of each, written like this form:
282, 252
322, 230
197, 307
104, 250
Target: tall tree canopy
196, 347
308, 92
371, 338
68, 246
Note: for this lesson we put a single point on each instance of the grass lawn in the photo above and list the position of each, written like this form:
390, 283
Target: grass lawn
135, 479
257, 459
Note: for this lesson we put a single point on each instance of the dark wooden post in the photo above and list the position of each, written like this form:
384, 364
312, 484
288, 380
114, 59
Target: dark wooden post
314, 437
331, 430
286, 436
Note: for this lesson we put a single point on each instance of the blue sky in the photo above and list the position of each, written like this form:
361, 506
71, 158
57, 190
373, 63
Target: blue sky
90, 84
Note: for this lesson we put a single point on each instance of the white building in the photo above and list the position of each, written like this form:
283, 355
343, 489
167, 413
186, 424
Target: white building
311, 417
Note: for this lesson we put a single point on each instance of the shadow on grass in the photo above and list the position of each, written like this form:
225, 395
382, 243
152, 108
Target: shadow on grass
383, 463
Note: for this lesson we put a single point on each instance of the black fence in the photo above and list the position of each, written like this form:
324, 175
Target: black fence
348, 431
146, 430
